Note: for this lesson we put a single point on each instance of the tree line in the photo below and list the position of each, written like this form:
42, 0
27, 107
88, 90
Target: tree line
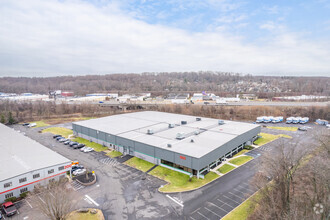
224, 84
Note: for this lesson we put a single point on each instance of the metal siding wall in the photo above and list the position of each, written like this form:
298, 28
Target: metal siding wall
124, 142
195, 163
164, 154
101, 136
184, 162
145, 149
84, 130
92, 133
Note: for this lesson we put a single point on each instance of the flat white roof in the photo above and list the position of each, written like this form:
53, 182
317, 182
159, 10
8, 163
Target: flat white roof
20, 154
135, 126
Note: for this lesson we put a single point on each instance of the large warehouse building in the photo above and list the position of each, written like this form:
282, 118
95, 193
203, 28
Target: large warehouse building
184, 143
25, 163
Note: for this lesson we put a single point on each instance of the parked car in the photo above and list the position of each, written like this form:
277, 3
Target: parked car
304, 128
57, 135
82, 149
77, 167
24, 124
63, 140
66, 142
58, 138
32, 125
79, 172
73, 143
78, 146
88, 149
9, 208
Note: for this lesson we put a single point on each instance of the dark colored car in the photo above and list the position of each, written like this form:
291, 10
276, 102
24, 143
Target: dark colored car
58, 138
78, 146
57, 135
24, 124
73, 143
9, 208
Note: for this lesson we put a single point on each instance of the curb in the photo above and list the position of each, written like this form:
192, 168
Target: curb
87, 184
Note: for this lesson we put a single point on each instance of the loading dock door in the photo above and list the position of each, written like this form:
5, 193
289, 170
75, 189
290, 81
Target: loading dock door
131, 150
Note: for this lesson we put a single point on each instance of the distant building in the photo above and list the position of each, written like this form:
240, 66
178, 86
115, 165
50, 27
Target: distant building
67, 94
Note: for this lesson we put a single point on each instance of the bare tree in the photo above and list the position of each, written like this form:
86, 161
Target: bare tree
55, 200
299, 182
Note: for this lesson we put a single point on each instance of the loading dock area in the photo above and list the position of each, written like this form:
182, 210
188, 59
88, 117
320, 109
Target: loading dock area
188, 144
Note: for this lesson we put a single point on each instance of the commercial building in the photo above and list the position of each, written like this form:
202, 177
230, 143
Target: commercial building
25, 163
188, 144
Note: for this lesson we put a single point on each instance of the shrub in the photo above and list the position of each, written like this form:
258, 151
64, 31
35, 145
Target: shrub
11, 199
248, 147
24, 194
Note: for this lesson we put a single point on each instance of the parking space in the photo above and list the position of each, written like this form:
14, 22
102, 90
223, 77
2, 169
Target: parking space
223, 203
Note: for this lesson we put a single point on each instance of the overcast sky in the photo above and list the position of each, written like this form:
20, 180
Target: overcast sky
78, 37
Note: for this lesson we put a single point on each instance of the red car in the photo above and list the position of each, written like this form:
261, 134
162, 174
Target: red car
9, 208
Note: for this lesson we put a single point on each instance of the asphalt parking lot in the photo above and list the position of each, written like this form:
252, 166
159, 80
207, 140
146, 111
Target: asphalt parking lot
121, 193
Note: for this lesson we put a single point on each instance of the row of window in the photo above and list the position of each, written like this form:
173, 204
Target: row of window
9, 195
35, 176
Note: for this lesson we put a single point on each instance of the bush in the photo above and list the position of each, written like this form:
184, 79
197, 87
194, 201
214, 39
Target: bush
11, 199
248, 147
24, 194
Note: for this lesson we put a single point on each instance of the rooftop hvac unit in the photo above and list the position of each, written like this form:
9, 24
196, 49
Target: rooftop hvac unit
150, 131
198, 119
171, 125
183, 122
221, 122
196, 132
180, 136
169, 145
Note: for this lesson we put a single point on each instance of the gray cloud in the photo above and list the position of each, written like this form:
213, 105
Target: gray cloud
40, 38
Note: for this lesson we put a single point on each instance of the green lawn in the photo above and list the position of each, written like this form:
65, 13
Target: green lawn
179, 182
225, 168
139, 164
241, 152
243, 211
65, 132
114, 154
240, 160
266, 138
284, 128
95, 146
40, 124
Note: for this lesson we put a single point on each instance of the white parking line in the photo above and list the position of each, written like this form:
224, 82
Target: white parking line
231, 199
224, 203
239, 191
192, 218
28, 203
51, 194
213, 212
202, 215
42, 200
247, 188
89, 198
236, 195
174, 200
220, 208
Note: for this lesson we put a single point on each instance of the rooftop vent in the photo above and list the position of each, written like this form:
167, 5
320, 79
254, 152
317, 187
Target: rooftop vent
169, 145
183, 122
180, 136
221, 122
196, 132
171, 125
150, 131
192, 141
198, 119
